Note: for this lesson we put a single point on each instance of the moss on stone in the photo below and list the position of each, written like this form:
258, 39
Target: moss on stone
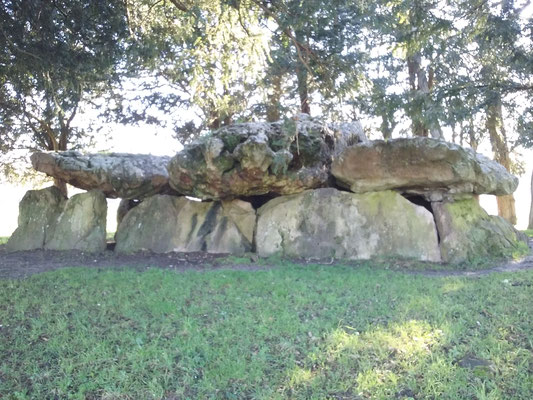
469, 234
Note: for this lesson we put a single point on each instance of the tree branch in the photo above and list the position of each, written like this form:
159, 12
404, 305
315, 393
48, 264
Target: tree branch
180, 6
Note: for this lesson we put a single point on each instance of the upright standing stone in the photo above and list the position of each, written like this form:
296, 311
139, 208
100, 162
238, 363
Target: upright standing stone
165, 223
329, 223
38, 212
468, 233
81, 225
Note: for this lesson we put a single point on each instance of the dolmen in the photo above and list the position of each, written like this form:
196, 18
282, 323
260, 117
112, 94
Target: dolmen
296, 188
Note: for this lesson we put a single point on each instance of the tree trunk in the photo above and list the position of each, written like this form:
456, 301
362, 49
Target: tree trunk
417, 127
303, 90
420, 89
54, 144
498, 141
474, 143
214, 120
530, 225
386, 127
274, 99
62, 146
302, 75
62, 186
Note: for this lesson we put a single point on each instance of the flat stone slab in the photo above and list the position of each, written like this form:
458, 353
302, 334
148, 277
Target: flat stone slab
130, 176
260, 158
424, 166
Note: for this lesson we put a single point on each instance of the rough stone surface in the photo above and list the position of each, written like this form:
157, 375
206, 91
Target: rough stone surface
425, 166
130, 176
124, 207
261, 158
81, 225
468, 233
329, 223
165, 223
38, 212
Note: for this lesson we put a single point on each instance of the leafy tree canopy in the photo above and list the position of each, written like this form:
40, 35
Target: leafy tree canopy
56, 56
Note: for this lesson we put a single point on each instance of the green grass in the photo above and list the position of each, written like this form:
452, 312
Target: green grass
4, 239
528, 232
290, 332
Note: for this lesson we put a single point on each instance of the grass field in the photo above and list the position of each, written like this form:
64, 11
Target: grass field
312, 332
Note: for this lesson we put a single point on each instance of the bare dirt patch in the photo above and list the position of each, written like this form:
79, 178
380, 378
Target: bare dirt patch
21, 264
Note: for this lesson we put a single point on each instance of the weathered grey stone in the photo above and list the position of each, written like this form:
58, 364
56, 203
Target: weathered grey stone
261, 158
425, 166
124, 207
329, 223
38, 212
468, 233
130, 176
167, 223
81, 225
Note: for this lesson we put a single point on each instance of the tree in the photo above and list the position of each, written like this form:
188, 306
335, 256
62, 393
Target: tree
56, 56
205, 57
409, 34
530, 225
317, 43
501, 60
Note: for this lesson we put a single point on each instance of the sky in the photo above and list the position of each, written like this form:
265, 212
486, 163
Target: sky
143, 140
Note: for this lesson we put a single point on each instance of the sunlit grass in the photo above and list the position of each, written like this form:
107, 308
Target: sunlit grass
528, 232
3, 239
313, 332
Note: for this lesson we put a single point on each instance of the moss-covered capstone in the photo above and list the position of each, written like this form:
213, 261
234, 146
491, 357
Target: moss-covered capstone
165, 223
258, 158
38, 212
330, 223
467, 233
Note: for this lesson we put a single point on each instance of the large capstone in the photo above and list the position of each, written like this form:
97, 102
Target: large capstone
250, 159
429, 167
130, 176
165, 223
81, 224
38, 212
330, 223
468, 233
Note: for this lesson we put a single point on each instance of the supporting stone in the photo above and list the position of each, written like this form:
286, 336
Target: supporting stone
38, 212
81, 225
327, 222
167, 223
467, 233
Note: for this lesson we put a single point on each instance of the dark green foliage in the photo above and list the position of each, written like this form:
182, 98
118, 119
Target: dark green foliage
54, 57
